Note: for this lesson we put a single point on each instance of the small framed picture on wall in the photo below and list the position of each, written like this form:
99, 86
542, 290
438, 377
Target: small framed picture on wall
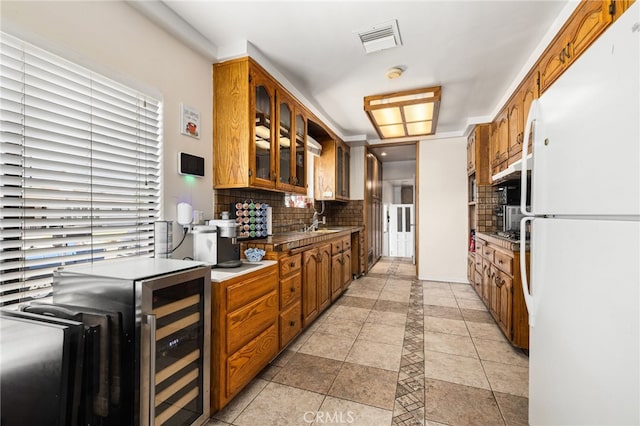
190, 121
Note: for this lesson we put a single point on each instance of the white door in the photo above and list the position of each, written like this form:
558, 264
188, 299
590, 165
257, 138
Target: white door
584, 364
401, 226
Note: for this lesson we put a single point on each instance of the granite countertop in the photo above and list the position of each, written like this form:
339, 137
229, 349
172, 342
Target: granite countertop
223, 274
285, 241
499, 240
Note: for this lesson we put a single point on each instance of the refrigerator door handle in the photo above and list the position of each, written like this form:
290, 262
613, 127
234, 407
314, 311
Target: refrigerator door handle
528, 299
531, 120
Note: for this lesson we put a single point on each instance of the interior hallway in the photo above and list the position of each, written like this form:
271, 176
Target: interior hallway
392, 351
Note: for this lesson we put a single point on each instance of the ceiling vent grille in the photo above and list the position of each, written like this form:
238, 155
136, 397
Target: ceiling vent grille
380, 37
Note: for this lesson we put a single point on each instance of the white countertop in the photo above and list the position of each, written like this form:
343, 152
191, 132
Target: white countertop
223, 274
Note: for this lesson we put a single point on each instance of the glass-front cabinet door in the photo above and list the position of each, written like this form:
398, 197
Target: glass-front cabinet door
262, 170
300, 159
285, 136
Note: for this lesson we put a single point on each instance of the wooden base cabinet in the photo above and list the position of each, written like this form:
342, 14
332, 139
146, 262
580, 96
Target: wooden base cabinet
290, 298
244, 334
501, 289
340, 266
316, 284
324, 277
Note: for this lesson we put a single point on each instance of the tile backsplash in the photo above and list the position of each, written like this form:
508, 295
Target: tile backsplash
287, 219
486, 204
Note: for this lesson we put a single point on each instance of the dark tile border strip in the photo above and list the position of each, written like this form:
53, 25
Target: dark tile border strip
409, 405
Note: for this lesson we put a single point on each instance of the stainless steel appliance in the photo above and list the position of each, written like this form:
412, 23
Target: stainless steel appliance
166, 317
511, 216
217, 243
584, 298
40, 369
508, 195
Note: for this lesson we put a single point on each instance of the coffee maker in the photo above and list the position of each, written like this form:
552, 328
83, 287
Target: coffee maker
217, 243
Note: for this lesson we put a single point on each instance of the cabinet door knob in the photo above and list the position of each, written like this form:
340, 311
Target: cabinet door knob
292, 323
292, 264
293, 289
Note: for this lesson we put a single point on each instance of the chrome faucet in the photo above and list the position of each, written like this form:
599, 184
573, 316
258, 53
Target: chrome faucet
314, 222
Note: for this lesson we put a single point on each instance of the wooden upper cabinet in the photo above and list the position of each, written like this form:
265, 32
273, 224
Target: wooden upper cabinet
588, 22
519, 107
255, 144
499, 152
331, 168
583, 27
471, 153
528, 92
515, 126
552, 63
231, 119
262, 172
299, 159
284, 136
619, 7
478, 153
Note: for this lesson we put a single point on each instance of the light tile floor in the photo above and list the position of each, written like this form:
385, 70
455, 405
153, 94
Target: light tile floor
392, 351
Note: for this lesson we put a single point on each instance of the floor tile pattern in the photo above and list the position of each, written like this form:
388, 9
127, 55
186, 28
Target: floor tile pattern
392, 351
409, 406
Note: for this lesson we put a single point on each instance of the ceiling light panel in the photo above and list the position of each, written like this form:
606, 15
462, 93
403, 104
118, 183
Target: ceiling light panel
403, 114
392, 131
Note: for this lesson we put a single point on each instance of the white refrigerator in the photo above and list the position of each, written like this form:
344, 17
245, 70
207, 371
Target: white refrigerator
583, 295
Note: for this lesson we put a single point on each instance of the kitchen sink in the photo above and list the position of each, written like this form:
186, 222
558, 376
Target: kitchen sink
324, 231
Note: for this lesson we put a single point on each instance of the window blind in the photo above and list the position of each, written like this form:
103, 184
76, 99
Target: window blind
79, 169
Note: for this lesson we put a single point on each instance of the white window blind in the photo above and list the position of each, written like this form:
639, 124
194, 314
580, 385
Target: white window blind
79, 169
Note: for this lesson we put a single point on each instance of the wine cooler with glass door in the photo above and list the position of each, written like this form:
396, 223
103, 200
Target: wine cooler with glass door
165, 341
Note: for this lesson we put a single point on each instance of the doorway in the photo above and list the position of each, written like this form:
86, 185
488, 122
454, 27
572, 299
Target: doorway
401, 225
399, 177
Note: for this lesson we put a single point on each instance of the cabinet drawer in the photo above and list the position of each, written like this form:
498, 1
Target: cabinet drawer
487, 252
247, 322
290, 290
480, 245
477, 281
243, 292
290, 324
336, 247
290, 264
346, 243
478, 262
503, 261
243, 365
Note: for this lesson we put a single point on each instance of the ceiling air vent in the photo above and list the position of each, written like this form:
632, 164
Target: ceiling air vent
380, 37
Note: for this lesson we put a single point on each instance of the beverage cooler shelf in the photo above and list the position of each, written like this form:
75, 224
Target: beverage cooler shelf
177, 326
177, 306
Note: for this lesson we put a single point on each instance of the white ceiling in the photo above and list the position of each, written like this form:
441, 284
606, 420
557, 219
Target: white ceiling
473, 49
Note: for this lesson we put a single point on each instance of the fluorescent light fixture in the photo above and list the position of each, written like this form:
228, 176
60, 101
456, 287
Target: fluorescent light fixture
403, 114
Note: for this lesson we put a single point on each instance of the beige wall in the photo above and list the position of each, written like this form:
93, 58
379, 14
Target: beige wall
442, 210
112, 38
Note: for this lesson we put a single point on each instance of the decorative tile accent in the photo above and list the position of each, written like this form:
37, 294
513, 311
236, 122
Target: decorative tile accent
409, 406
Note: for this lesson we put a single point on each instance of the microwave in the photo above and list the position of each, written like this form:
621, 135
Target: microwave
508, 195
511, 216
